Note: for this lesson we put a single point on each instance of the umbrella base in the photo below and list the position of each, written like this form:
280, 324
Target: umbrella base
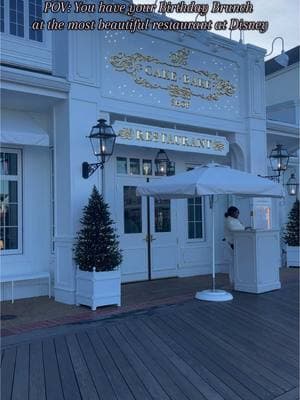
213, 295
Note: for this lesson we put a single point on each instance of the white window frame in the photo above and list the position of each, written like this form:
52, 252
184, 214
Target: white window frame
202, 239
26, 22
19, 179
25, 52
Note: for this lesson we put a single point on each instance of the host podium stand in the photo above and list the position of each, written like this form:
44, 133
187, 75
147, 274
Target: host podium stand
256, 261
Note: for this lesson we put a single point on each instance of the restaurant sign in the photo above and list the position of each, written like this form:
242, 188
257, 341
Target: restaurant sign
172, 139
182, 82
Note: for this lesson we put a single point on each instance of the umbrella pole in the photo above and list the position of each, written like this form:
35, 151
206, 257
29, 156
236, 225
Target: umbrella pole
213, 244
213, 294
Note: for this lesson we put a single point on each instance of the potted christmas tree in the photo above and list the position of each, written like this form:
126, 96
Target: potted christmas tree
291, 236
97, 256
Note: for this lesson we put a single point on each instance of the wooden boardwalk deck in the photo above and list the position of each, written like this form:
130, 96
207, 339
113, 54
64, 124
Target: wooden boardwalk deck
246, 349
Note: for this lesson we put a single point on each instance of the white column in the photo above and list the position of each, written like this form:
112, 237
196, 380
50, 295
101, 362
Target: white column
64, 283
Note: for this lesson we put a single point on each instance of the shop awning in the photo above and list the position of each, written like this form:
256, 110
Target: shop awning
19, 127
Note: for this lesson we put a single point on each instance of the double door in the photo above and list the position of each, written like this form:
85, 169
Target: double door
147, 231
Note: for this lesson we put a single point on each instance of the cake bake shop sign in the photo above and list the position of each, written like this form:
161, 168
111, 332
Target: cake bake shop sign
182, 82
161, 138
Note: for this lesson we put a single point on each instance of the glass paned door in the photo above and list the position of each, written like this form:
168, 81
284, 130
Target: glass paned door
131, 223
164, 242
147, 233
132, 210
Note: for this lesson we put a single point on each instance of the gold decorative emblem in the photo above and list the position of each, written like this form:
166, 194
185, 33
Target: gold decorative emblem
179, 57
175, 77
218, 146
125, 133
176, 91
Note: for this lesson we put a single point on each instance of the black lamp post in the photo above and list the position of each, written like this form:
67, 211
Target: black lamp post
102, 139
163, 165
292, 185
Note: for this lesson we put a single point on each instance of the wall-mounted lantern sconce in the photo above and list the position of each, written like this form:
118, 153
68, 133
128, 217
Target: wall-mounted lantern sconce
292, 185
102, 138
164, 167
279, 159
283, 58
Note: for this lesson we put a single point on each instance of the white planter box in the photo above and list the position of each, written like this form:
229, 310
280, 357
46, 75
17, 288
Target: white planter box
292, 256
96, 289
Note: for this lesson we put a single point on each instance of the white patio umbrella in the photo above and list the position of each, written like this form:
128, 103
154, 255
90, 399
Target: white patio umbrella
209, 180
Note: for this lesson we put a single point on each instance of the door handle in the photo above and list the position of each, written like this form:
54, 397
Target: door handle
149, 238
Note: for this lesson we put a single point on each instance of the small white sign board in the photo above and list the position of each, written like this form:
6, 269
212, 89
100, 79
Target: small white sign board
171, 139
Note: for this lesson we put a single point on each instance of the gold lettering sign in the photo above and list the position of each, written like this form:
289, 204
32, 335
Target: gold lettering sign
169, 138
181, 82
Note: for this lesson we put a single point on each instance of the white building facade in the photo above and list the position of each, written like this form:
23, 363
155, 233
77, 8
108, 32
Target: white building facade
198, 96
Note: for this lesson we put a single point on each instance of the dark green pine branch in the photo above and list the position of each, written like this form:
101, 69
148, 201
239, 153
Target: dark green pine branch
97, 244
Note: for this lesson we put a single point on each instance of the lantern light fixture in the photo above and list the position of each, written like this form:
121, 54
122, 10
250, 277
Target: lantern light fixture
102, 138
279, 159
292, 185
164, 167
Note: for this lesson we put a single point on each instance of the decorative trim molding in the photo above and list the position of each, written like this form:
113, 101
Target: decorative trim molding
16, 76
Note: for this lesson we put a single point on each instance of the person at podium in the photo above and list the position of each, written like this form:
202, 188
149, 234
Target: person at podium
231, 224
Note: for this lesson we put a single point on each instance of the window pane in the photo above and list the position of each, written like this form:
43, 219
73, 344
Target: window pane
11, 217
8, 192
20, 30
191, 202
198, 200
16, 17
121, 165
35, 14
3, 212
12, 16
2, 244
11, 239
38, 9
2, 15
8, 164
162, 215
191, 230
13, 191
198, 230
197, 212
13, 29
20, 18
134, 166
132, 210
195, 223
39, 36
31, 34
190, 213
147, 167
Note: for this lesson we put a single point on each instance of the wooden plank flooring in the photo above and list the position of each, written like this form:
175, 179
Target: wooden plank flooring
247, 349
